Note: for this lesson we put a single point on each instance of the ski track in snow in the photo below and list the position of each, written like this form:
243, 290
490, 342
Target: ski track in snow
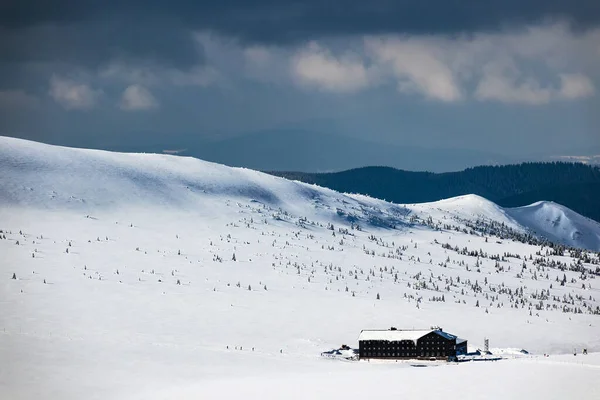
111, 234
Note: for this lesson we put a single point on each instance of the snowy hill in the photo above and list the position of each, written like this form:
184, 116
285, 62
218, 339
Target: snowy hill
51, 177
558, 223
151, 276
57, 177
547, 220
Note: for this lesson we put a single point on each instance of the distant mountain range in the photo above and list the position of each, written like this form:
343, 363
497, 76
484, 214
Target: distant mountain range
574, 185
301, 150
297, 149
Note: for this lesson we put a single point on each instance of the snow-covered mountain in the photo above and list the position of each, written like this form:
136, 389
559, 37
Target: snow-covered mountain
543, 219
152, 276
559, 224
47, 176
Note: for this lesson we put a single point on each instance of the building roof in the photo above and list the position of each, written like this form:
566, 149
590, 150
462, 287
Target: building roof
445, 335
398, 335
459, 340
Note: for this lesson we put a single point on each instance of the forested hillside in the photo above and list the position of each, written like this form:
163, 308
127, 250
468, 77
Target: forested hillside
574, 185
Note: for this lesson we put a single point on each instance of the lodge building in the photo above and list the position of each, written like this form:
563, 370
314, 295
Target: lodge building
406, 344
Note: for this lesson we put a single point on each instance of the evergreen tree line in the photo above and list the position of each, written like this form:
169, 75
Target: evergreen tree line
574, 185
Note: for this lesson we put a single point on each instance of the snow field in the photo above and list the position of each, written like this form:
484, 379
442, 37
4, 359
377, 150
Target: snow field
96, 310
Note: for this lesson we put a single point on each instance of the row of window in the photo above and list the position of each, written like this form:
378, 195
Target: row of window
387, 341
403, 342
404, 354
392, 348
379, 354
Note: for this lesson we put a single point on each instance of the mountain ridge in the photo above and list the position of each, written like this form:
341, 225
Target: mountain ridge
49, 176
574, 185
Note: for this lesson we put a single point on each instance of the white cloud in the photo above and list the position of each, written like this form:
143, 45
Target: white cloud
506, 83
503, 82
316, 66
15, 99
137, 98
533, 65
418, 66
575, 86
72, 95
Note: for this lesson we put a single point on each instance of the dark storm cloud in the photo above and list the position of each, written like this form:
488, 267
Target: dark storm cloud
93, 42
291, 17
91, 31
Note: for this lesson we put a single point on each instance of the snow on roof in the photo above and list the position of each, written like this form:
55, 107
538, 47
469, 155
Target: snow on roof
392, 335
397, 335
459, 340
445, 335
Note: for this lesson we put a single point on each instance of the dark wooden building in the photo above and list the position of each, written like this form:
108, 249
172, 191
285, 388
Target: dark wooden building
406, 344
461, 346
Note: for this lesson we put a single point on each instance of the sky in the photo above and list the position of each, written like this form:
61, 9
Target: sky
508, 80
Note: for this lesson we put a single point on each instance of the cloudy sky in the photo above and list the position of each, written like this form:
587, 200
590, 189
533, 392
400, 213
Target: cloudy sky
514, 78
